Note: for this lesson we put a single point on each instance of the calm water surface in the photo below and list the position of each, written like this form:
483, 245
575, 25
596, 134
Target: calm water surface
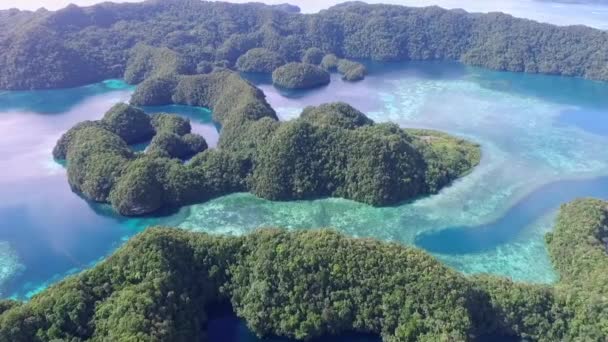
543, 140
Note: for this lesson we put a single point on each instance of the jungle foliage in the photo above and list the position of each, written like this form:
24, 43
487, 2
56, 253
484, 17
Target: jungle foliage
259, 60
300, 76
76, 46
331, 150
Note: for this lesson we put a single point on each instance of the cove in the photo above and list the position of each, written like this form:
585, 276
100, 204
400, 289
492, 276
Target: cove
463, 240
47, 232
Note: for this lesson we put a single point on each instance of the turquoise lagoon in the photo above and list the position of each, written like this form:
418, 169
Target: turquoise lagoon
544, 142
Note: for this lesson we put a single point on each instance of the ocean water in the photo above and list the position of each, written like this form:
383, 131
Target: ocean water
543, 140
47, 231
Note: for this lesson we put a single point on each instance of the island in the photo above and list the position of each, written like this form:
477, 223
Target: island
161, 285
332, 150
300, 76
351, 71
77, 46
259, 60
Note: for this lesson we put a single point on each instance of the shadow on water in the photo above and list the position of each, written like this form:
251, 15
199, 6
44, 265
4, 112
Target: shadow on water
257, 77
475, 239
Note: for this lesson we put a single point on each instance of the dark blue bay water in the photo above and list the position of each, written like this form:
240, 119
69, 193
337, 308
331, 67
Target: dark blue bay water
543, 142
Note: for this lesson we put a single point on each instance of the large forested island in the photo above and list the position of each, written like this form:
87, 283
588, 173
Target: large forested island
159, 286
76, 46
331, 150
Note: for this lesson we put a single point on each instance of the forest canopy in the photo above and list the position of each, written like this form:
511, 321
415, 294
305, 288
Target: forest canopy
332, 150
76, 46
259, 60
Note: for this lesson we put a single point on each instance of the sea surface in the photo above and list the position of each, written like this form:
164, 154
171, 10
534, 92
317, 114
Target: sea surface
543, 139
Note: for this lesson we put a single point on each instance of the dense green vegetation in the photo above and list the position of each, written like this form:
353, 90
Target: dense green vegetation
330, 62
313, 56
331, 150
148, 61
300, 76
160, 285
130, 124
578, 248
351, 71
259, 60
335, 150
76, 46
102, 166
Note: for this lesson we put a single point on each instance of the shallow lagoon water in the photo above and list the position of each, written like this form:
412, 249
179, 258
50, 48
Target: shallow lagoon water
530, 140
543, 140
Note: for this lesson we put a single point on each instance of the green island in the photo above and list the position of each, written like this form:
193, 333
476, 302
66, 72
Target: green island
331, 150
300, 76
77, 46
159, 286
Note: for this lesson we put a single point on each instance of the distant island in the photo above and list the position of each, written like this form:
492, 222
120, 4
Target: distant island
331, 150
160, 285
76, 46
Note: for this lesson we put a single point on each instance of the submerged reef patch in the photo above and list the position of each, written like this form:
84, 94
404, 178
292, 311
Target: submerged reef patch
9, 264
